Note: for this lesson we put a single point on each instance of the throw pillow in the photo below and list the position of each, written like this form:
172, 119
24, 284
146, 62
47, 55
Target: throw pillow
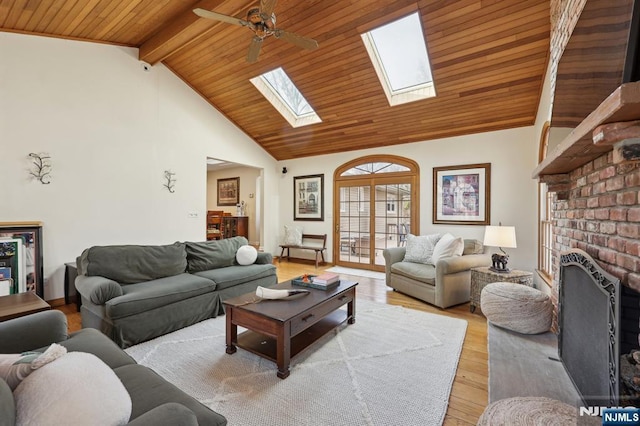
473, 247
420, 248
213, 254
14, 368
76, 389
292, 235
246, 255
447, 246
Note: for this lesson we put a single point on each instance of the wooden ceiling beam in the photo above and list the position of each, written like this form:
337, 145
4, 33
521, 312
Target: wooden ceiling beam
180, 32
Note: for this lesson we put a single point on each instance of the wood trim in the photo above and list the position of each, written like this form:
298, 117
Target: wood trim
32, 223
578, 148
411, 177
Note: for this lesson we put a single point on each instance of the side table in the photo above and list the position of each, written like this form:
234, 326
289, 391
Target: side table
482, 276
21, 304
70, 274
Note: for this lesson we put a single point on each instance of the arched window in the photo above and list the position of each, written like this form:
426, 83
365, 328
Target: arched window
375, 205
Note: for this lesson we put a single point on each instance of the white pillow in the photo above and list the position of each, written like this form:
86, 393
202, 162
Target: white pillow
292, 235
246, 255
420, 248
75, 389
447, 246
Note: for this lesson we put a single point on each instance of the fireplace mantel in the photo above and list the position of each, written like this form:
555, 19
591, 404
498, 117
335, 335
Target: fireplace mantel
577, 149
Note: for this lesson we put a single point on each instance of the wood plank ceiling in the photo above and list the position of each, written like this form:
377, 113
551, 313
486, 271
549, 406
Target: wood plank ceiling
488, 60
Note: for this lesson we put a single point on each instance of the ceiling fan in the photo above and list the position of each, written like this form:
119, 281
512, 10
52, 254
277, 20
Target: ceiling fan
262, 21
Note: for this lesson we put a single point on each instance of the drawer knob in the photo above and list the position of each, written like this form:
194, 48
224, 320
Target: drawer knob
341, 298
308, 317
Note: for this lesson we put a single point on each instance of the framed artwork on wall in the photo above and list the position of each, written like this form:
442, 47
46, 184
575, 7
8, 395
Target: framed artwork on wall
308, 197
228, 191
21, 265
461, 194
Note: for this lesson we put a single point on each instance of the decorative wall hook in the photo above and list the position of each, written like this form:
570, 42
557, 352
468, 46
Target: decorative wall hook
41, 169
171, 182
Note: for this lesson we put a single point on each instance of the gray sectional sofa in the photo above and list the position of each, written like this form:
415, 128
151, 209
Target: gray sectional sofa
154, 401
135, 293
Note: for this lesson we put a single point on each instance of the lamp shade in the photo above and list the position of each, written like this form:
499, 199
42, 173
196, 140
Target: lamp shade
500, 236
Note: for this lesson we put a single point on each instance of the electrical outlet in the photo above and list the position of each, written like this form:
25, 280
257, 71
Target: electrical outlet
192, 215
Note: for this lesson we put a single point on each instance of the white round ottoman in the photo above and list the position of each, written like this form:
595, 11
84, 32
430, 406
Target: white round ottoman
516, 307
528, 411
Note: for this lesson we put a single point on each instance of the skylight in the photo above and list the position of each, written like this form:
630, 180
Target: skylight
399, 55
278, 88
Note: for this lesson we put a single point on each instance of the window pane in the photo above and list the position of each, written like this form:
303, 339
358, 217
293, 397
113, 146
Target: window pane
283, 86
403, 53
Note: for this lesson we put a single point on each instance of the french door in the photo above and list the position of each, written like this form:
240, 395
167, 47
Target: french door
374, 209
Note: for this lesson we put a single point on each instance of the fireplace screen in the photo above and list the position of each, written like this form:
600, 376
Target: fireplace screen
589, 327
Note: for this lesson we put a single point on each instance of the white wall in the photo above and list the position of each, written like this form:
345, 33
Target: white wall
512, 154
111, 130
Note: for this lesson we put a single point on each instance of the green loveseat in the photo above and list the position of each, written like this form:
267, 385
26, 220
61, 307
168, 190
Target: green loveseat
445, 284
154, 401
135, 293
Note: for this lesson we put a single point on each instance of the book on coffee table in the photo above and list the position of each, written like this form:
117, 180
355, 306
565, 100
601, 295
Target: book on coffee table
311, 283
325, 278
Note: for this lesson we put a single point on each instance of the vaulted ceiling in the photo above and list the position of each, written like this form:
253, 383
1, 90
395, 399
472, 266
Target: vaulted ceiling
488, 59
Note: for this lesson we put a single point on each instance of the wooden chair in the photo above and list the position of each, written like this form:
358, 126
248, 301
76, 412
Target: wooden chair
214, 224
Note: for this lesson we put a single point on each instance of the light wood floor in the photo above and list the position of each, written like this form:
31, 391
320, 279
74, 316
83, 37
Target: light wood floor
469, 394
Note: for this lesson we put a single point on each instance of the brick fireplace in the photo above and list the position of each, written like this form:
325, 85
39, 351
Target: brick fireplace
595, 171
599, 213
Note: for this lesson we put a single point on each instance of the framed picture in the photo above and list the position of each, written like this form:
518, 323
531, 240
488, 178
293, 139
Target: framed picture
461, 194
21, 265
228, 191
308, 197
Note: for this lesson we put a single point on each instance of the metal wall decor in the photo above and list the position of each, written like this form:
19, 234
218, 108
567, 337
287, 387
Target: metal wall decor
41, 167
170, 182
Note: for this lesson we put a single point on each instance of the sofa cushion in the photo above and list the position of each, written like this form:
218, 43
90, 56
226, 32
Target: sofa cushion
75, 389
148, 390
420, 248
472, 247
153, 294
416, 271
213, 254
132, 264
7, 405
234, 275
447, 246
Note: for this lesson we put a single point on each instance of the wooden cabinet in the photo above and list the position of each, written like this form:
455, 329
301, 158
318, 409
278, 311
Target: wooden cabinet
233, 226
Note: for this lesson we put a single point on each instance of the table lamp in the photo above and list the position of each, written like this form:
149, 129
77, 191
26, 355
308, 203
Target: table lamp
500, 236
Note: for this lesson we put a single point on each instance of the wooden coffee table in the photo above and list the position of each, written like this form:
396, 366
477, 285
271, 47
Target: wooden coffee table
280, 329
18, 305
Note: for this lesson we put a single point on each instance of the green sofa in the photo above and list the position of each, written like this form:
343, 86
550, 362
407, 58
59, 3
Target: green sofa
154, 401
135, 293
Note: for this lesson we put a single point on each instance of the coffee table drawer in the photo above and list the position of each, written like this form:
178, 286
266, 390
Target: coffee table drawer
307, 319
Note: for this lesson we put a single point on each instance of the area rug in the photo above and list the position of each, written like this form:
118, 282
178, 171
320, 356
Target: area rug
394, 366
357, 272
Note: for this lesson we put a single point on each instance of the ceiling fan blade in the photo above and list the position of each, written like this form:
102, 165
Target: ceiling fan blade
266, 8
254, 49
220, 17
304, 42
